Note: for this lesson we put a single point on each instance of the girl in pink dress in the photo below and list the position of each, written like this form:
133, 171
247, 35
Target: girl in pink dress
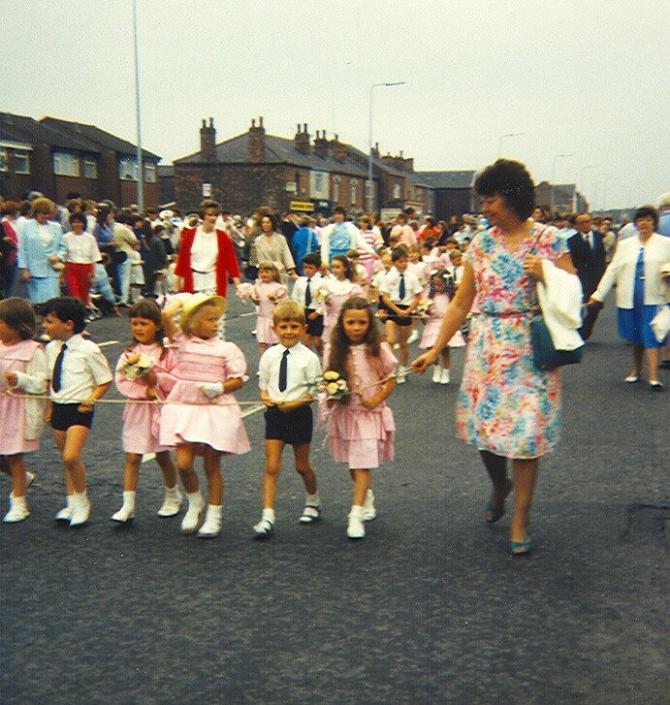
268, 292
335, 290
440, 287
360, 429
23, 369
374, 238
137, 378
200, 415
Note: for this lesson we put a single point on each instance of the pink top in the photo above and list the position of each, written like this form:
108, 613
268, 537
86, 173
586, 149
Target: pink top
262, 295
338, 292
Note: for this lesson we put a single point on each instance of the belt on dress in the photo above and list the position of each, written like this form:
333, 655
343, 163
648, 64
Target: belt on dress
209, 271
508, 314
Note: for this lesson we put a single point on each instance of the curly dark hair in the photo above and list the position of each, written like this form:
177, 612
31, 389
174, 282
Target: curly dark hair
511, 180
273, 219
647, 212
340, 343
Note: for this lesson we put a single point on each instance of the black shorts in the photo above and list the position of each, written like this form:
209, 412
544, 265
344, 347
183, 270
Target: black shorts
65, 415
293, 427
400, 320
315, 327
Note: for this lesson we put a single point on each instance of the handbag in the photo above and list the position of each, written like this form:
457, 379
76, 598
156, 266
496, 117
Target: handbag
660, 323
545, 355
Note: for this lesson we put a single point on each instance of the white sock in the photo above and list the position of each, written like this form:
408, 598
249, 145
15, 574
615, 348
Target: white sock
268, 515
129, 500
79, 498
313, 498
172, 491
356, 510
68, 501
195, 498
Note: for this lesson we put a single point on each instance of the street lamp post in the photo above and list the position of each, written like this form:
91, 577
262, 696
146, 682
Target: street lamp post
370, 194
552, 200
502, 137
140, 169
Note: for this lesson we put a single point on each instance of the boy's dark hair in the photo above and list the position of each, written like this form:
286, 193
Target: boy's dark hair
18, 314
67, 308
78, 218
398, 253
341, 210
340, 343
312, 258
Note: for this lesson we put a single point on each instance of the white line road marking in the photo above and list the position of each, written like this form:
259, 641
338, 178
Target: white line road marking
147, 457
253, 410
251, 313
107, 343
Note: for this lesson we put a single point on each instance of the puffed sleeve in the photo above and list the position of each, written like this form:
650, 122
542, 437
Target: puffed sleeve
164, 377
552, 246
281, 292
236, 364
35, 379
389, 360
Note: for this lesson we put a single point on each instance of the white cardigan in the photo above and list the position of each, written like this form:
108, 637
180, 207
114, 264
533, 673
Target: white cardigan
622, 270
560, 299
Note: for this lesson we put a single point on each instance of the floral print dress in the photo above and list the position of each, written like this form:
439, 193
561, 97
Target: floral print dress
505, 405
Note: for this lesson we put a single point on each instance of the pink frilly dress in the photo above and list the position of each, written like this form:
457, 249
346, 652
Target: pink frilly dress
266, 307
362, 437
20, 418
434, 321
338, 292
189, 416
141, 421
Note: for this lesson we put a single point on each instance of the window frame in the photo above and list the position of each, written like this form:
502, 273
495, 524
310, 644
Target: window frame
73, 161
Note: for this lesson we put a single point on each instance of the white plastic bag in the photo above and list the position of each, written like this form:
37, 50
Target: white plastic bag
660, 323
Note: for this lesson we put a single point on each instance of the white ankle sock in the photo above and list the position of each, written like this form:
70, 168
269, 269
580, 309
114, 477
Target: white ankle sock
129, 499
268, 515
313, 498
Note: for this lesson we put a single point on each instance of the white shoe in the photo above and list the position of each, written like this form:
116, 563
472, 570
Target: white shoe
18, 510
445, 377
65, 514
81, 510
310, 514
414, 336
356, 528
265, 529
192, 517
437, 374
171, 504
369, 511
126, 513
212, 524
396, 346
30, 478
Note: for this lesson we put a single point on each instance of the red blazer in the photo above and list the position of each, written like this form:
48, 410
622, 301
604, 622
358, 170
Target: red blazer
226, 262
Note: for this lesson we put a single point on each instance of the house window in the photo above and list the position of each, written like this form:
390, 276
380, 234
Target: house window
127, 169
318, 182
397, 194
150, 173
336, 188
90, 169
66, 164
21, 163
354, 192
4, 160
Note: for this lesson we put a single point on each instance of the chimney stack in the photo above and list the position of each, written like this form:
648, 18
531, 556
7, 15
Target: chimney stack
321, 145
256, 150
208, 141
302, 141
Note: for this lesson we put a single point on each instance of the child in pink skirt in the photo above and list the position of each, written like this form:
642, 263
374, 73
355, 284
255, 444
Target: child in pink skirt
200, 415
360, 429
335, 290
441, 287
137, 378
269, 291
23, 370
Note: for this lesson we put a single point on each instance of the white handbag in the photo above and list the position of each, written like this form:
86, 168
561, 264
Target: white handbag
660, 323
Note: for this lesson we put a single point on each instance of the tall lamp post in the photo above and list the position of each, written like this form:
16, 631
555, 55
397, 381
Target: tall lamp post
502, 137
370, 194
552, 200
581, 173
140, 167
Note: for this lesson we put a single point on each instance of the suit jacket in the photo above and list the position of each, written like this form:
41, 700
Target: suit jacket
589, 261
34, 255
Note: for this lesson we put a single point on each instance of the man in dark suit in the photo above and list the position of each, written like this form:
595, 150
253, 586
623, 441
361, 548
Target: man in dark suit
588, 256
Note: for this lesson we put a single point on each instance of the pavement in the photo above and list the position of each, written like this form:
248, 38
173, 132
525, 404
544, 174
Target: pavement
429, 608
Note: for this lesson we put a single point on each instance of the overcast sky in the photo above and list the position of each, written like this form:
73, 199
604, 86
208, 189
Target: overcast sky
582, 77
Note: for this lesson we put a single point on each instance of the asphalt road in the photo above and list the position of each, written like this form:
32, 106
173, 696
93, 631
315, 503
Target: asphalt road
428, 609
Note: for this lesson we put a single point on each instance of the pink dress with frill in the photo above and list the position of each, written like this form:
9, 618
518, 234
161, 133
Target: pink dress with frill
189, 416
266, 307
339, 292
15, 358
434, 321
362, 437
141, 421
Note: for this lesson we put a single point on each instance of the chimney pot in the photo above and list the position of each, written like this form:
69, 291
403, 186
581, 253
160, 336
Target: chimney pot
260, 121
305, 126
253, 122
204, 122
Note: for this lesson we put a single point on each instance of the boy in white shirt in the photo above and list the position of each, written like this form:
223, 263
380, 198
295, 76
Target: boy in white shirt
80, 376
305, 292
285, 373
401, 293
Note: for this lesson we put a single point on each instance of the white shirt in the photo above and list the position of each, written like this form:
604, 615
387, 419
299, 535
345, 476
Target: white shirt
378, 279
303, 367
203, 259
81, 249
44, 233
391, 286
84, 368
300, 287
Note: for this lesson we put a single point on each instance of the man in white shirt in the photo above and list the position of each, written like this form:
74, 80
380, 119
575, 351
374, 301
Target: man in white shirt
401, 293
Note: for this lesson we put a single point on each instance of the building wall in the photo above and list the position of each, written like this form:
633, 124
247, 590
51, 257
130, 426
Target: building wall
450, 202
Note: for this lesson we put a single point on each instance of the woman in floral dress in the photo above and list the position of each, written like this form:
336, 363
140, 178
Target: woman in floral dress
506, 407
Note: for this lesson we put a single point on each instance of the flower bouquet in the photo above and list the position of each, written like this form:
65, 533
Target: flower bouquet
246, 291
322, 294
136, 366
423, 307
331, 385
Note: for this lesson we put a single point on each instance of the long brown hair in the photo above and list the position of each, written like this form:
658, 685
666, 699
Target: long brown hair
349, 272
149, 309
18, 315
340, 343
